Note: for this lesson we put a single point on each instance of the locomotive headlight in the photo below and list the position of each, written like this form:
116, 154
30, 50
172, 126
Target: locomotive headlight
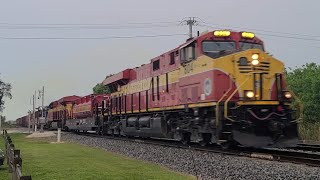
255, 62
288, 95
249, 35
222, 33
249, 94
255, 56
255, 59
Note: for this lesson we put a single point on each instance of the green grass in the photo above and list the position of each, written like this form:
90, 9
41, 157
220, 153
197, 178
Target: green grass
45, 161
3, 169
309, 131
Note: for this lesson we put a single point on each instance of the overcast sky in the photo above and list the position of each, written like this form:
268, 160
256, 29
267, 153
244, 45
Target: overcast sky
289, 28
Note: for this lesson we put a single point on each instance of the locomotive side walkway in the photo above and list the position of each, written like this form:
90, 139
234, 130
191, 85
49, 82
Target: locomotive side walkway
45, 160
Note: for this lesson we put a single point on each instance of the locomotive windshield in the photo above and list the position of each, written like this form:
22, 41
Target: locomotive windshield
216, 47
246, 45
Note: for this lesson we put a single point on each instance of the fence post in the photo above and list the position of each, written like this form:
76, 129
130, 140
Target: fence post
10, 157
17, 163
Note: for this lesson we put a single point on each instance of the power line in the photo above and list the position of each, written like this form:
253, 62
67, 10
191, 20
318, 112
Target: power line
254, 29
84, 27
191, 21
290, 37
275, 33
87, 24
89, 38
128, 25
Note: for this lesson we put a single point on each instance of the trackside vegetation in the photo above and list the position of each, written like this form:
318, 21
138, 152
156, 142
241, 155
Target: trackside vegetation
44, 160
304, 81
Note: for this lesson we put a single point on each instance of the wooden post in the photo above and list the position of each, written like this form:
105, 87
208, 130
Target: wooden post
41, 130
59, 135
17, 161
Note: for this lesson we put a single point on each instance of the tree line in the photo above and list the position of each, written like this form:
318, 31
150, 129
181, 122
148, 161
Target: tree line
304, 81
5, 92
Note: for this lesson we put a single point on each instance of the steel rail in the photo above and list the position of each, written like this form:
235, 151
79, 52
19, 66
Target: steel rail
307, 147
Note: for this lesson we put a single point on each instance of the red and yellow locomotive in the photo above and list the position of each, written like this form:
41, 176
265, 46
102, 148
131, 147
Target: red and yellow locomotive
85, 112
59, 111
220, 87
75, 113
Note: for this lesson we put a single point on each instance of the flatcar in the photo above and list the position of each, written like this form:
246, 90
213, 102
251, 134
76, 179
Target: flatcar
220, 87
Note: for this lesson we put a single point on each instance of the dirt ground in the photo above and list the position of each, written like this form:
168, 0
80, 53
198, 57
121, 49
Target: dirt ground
32, 134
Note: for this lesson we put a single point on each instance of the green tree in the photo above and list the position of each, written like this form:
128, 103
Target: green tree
5, 91
101, 89
304, 81
3, 118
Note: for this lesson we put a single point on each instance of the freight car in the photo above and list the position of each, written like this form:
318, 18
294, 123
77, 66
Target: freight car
22, 121
40, 118
220, 87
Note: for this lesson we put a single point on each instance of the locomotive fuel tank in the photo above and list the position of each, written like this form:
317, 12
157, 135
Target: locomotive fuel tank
145, 126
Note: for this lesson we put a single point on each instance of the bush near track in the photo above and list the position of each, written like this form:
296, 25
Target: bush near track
304, 81
310, 131
44, 160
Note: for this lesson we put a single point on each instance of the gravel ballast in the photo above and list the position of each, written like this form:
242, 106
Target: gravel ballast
201, 164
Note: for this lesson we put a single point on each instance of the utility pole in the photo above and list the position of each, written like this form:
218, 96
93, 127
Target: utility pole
190, 21
34, 111
41, 94
29, 119
42, 100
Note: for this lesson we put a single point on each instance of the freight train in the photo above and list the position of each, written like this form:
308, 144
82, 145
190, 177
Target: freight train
39, 116
220, 87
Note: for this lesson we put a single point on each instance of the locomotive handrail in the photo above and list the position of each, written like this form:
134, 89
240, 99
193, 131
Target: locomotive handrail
217, 106
226, 102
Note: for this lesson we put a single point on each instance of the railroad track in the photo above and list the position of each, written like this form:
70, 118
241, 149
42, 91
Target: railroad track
307, 147
297, 157
272, 154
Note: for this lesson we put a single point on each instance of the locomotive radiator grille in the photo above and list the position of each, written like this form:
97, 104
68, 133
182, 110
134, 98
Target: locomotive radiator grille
263, 67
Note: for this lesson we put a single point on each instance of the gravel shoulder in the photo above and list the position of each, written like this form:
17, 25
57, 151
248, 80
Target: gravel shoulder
201, 164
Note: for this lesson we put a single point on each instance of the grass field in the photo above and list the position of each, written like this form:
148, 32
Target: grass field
67, 161
310, 131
